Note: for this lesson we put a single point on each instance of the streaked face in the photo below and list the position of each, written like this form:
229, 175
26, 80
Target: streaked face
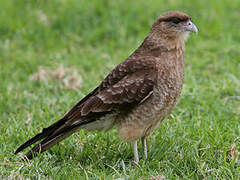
175, 24
181, 25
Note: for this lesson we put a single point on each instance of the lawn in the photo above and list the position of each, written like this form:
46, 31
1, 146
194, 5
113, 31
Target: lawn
52, 53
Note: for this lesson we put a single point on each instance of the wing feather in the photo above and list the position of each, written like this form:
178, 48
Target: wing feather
130, 83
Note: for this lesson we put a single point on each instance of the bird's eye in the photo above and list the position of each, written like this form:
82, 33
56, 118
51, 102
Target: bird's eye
175, 20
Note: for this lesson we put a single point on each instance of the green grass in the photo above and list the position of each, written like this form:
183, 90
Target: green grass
196, 142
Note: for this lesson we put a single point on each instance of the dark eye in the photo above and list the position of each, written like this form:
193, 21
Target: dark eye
175, 20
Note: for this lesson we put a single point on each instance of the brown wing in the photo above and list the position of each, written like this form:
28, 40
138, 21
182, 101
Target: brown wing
130, 82
127, 85
126, 68
130, 90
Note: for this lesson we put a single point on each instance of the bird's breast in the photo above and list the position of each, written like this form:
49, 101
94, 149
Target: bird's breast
167, 90
145, 117
169, 83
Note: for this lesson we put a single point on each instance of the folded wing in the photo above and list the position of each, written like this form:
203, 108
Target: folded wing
126, 86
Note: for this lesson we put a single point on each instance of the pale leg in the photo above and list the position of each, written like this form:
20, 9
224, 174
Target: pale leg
135, 151
144, 145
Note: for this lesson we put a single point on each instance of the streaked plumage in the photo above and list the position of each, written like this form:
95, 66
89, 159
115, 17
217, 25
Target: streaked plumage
136, 96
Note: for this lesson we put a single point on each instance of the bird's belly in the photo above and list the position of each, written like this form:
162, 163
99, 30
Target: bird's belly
147, 116
103, 124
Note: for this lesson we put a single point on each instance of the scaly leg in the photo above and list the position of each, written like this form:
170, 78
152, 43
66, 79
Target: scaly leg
135, 151
144, 146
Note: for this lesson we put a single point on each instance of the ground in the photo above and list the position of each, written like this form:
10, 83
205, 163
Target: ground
52, 53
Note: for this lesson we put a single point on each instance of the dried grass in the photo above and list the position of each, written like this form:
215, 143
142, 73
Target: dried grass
68, 77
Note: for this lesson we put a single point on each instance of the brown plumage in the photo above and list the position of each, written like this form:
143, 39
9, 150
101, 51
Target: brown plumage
136, 96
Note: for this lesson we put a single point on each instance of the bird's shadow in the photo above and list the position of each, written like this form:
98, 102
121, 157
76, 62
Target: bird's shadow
96, 149
99, 150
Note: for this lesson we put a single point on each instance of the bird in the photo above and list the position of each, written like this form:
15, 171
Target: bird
136, 96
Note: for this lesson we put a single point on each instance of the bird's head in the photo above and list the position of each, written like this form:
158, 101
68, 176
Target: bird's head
173, 25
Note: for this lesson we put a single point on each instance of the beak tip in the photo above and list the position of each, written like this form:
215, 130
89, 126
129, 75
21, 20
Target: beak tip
192, 27
195, 29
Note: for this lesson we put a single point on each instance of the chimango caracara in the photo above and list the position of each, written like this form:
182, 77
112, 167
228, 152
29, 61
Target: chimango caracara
136, 96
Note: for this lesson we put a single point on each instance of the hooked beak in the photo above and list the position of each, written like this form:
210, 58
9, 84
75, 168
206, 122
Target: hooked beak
191, 27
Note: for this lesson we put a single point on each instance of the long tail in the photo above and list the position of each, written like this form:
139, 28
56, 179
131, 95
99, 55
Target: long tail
72, 121
50, 136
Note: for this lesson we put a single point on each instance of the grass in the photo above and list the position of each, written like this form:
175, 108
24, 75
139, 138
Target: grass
200, 140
